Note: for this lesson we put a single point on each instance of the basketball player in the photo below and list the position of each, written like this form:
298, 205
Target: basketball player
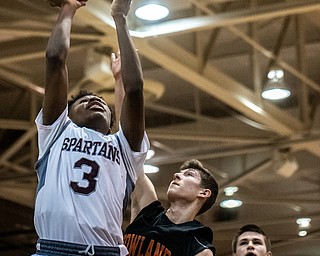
251, 240
85, 173
157, 231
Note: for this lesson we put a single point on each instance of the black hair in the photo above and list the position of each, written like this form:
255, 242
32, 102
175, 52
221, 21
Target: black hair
83, 93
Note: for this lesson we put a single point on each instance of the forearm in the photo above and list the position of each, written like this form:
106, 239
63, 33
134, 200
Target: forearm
130, 62
59, 41
56, 89
119, 95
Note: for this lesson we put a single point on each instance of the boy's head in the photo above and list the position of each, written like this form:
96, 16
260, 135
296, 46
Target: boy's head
251, 239
207, 181
89, 110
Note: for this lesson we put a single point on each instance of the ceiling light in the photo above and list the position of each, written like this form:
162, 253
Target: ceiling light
150, 168
152, 12
275, 88
304, 225
150, 154
275, 93
288, 167
275, 74
229, 191
231, 203
303, 222
302, 233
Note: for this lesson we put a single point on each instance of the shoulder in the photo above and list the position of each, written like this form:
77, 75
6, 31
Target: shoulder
205, 252
203, 237
153, 208
123, 140
199, 230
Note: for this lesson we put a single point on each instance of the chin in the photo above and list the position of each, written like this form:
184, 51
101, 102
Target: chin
99, 119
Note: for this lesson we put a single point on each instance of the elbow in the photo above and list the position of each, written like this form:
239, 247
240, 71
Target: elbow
56, 55
137, 82
136, 86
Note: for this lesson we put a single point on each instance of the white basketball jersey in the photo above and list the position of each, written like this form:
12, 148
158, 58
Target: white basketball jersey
85, 179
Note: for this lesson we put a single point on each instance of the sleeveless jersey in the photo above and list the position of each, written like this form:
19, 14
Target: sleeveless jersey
84, 182
152, 233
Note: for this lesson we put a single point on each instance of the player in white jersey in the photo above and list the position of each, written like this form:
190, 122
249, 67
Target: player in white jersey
85, 173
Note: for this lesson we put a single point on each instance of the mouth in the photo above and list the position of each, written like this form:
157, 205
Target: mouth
96, 106
250, 254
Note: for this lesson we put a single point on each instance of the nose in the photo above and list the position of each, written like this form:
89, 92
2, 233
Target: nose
176, 176
93, 99
250, 245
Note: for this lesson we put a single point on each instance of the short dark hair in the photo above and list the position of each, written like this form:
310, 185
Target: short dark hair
207, 181
251, 228
83, 93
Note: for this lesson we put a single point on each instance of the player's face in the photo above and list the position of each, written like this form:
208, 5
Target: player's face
251, 244
91, 111
185, 184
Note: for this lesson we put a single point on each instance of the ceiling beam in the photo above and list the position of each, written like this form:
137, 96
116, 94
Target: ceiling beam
18, 144
273, 56
227, 19
16, 167
20, 81
41, 54
10, 124
196, 137
219, 86
310, 143
248, 106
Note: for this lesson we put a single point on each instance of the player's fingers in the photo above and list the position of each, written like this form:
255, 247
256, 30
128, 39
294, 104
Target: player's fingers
83, 2
113, 56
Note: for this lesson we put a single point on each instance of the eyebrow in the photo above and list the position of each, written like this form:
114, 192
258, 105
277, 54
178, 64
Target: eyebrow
95, 97
254, 240
195, 171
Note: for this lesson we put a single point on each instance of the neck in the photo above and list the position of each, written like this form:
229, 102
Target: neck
179, 214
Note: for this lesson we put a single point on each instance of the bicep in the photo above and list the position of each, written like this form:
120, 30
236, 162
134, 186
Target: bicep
132, 119
143, 194
56, 91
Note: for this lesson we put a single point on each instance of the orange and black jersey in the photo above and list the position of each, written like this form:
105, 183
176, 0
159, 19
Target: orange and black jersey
153, 234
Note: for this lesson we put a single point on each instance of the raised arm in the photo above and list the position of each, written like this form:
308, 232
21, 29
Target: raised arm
132, 113
56, 87
143, 194
118, 89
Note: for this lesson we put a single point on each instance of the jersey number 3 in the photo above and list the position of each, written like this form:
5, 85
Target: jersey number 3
89, 177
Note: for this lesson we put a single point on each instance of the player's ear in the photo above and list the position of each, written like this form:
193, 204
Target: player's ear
205, 193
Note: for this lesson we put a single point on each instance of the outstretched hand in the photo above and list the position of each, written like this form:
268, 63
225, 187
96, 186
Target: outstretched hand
116, 65
59, 3
120, 7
